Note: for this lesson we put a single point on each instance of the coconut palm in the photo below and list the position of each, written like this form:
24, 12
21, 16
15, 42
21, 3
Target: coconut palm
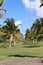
2, 10
41, 28
10, 29
29, 36
1, 2
37, 27
41, 3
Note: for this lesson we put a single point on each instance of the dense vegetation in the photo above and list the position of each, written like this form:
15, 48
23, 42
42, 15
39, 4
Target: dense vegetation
11, 36
35, 33
9, 33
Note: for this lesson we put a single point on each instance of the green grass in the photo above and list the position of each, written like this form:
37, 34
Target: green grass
21, 51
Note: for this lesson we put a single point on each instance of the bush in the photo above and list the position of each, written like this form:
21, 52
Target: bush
4, 45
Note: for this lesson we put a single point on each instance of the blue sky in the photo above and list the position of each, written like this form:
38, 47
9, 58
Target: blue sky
23, 11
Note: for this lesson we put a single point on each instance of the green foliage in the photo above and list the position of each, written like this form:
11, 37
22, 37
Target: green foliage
41, 3
10, 32
1, 2
19, 37
36, 31
10, 25
4, 45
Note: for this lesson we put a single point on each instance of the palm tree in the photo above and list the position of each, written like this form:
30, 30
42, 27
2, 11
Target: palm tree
26, 34
29, 36
37, 27
1, 2
10, 29
41, 28
41, 3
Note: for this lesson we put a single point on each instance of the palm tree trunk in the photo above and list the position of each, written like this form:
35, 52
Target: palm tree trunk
14, 41
11, 39
33, 41
10, 44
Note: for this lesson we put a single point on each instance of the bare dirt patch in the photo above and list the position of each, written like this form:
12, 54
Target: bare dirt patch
23, 61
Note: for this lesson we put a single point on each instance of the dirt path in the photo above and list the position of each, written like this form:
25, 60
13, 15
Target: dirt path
22, 61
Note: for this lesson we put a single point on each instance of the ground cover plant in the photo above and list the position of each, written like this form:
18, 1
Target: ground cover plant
21, 51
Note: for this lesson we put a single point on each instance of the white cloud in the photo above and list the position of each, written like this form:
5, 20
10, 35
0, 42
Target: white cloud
18, 23
34, 5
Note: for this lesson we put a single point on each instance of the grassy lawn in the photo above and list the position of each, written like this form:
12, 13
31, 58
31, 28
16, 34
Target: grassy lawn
21, 51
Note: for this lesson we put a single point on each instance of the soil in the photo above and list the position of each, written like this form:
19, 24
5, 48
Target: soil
22, 61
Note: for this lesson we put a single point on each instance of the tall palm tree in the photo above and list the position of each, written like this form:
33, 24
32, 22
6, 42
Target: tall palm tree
10, 29
27, 34
41, 27
36, 26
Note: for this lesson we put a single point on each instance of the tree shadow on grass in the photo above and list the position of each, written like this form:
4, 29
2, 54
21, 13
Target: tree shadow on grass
17, 55
31, 46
